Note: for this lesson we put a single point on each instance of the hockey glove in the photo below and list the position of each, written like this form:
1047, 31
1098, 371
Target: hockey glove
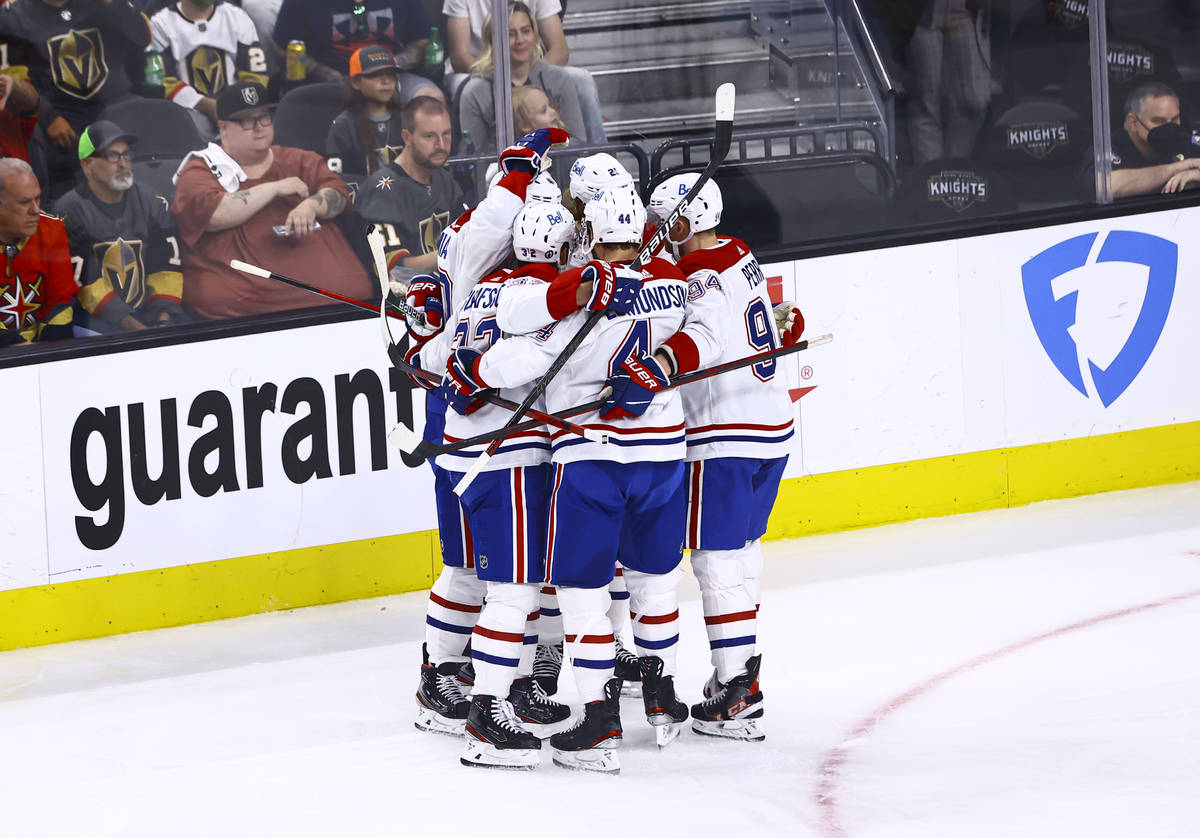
461, 384
425, 295
790, 323
610, 290
528, 153
634, 386
413, 356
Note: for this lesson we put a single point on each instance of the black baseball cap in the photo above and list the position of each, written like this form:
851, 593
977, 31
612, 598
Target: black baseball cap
243, 96
371, 59
100, 135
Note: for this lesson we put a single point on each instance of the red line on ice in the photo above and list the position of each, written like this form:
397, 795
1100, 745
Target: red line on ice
825, 794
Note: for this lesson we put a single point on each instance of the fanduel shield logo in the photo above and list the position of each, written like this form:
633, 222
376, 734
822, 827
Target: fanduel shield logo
1054, 316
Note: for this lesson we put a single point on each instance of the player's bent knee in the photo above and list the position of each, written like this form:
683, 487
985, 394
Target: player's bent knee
719, 570
513, 596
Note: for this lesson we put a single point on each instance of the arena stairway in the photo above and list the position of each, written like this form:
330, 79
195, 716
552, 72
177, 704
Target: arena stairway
657, 64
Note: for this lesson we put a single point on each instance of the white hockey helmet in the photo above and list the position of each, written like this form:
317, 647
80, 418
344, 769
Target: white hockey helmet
614, 216
703, 213
597, 172
540, 231
543, 188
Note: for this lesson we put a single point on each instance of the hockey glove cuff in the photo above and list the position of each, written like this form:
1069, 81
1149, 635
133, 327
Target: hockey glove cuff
634, 386
462, 383
425, 295
413, 357
790, 323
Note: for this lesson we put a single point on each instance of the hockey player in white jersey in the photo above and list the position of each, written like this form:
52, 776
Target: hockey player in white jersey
621, 501
479, 241
738, 428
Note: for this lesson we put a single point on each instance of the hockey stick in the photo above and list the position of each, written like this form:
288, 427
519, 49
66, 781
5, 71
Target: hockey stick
401, 310
404, 437
723, 135
425, 450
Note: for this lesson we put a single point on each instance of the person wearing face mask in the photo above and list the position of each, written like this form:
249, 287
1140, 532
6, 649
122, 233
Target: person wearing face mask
206, 46
1144, 158
123, 239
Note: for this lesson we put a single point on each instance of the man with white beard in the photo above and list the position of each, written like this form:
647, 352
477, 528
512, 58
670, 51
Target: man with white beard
123, 241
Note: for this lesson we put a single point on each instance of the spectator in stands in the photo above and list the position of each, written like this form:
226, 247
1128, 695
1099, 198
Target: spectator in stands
950, 62
36, 281
261, 203
332, 32
264, 14
83, 50
1139, 167
415, 198
19, 108
477, 109
205, 47
367, 134
123, 237
465, 21
532, 109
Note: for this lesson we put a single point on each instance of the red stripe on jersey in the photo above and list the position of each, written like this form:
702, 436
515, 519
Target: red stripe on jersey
737, 426
535, 615
506, 636
454, 606
549, 589
624, 431
518, 495
659, 620
718, 619
590, 638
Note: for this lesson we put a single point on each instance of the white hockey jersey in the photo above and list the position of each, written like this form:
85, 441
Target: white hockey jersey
203, 57
655, 436
745, 412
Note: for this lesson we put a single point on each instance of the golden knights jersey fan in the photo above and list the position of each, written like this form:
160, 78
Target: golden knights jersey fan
205, 47
82, 47
35, 265
416, 197
123, 241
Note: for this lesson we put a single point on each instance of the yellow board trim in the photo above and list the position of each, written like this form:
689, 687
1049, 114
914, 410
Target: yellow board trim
395, 564
197, 593
981, 480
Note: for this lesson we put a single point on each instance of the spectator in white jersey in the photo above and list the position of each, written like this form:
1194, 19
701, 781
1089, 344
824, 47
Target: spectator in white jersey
206, 46
738, 429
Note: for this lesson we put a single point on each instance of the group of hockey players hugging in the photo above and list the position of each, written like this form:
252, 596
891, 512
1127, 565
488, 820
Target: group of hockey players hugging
602, 526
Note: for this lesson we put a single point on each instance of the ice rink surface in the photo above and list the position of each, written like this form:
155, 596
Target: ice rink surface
1029, 672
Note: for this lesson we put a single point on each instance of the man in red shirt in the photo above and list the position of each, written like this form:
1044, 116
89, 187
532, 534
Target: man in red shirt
231, 198
37, 284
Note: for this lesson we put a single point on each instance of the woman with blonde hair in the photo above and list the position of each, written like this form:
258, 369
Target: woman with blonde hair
476, 105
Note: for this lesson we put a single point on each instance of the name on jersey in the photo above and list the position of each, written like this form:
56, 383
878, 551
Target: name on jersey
660, 298
485, 296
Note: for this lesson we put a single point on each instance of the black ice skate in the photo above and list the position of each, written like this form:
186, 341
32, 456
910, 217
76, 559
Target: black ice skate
591, 745
495, 739
663, 710
466, 677
628, 670
441, 706
734, 711
547, 663
533, 707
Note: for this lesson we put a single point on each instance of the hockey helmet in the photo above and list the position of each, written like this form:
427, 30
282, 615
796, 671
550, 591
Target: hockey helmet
614, 216
596, 172
543, 188
703, 213
540, 231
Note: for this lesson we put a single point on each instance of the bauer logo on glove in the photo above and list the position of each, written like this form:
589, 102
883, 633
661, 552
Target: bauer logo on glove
634, 386
528, 154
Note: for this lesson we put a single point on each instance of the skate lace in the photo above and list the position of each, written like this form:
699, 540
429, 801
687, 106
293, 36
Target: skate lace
448, 686
547, 660
503, 716
538, 696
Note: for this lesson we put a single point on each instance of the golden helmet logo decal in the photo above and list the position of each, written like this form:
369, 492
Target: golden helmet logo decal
431, 231
207, 69
121, 265
77, 63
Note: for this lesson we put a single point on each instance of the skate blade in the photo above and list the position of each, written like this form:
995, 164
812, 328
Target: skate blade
746, 730
596, 760
433, 722
478, 754
631, 689
665, 732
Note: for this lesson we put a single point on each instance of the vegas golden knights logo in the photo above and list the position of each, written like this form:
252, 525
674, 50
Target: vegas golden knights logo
431, 231
207, 70
77, 63
121, 265
386, 155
